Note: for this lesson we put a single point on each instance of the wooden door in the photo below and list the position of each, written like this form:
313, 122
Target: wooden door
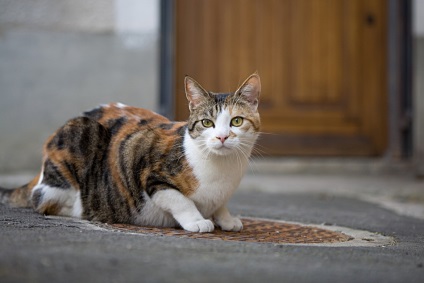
322, 64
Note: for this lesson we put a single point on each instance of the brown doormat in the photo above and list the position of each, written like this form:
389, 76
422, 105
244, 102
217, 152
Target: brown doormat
254, 230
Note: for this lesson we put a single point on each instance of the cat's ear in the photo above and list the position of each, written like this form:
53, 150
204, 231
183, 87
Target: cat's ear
250, 90
195, 93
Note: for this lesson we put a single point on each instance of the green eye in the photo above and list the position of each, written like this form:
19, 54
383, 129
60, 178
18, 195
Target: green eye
207, 123
237, 121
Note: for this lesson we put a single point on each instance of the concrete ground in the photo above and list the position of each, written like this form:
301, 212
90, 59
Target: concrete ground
363, 195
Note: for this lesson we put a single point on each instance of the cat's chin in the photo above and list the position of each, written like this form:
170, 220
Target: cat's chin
222, 151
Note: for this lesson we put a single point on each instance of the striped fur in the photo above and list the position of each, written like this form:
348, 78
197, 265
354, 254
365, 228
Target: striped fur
121, 164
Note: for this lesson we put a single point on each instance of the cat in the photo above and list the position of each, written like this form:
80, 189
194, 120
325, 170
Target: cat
121, 164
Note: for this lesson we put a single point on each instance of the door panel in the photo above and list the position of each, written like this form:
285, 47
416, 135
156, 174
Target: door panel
322, 65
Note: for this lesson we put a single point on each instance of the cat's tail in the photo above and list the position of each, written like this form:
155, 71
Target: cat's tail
19, 197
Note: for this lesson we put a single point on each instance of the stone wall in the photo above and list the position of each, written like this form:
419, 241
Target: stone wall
61, 57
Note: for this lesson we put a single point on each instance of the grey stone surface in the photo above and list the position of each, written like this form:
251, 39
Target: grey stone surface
35, 248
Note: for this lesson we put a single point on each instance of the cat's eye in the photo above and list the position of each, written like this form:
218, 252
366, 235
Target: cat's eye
207, 123
237, 121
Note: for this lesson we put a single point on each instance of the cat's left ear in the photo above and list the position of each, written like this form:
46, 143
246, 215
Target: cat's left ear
195, 93
250, 90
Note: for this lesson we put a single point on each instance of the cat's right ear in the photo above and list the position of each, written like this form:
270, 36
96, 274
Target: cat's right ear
195, 93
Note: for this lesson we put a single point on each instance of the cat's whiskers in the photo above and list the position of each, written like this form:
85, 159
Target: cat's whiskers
267, 133
204, 149
239, 158
259, 149
246, 146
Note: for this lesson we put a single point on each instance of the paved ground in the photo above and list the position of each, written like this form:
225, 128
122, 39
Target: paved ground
39, 249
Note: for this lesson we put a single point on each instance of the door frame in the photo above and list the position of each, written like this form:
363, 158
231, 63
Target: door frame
167, 59
399, 73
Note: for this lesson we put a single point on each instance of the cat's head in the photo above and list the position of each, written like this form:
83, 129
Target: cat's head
224, 123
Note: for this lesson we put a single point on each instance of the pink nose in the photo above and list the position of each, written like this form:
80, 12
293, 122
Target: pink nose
222, 138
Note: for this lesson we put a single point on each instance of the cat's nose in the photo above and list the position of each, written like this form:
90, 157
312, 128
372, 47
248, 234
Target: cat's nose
222, 138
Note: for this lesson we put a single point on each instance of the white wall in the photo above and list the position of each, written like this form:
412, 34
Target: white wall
61, 57
418, 17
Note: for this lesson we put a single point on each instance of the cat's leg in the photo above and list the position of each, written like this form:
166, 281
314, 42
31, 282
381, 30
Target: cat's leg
223, 219
54, 196
56, 201
183, 210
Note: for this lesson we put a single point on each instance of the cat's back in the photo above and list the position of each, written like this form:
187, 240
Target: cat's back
123, 122
115, 115
140, 133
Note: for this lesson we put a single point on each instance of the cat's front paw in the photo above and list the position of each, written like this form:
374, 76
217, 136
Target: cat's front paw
230, 224
204, 225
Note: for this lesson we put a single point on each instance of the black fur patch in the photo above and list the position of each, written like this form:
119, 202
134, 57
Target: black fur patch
73, 170
166, 126
220, 97
37, 197
53, 177
156, 183
144, 122
95, 114
173, 164
181, 131
58, 141
114, 125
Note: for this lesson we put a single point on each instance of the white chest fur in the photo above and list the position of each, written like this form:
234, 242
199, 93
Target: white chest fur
218, 176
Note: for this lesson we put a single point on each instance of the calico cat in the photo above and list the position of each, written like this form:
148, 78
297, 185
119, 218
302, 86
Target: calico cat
121, 164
